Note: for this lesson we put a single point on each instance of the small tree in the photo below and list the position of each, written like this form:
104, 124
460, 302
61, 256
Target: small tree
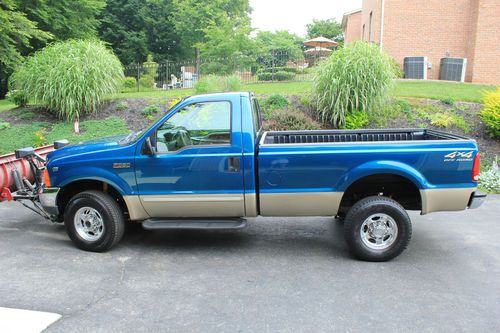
70, 78
354, 78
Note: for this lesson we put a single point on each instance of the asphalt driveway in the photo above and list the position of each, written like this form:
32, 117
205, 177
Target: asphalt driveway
278, 275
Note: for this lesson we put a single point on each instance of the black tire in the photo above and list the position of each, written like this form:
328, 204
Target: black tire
364, 209
112, 220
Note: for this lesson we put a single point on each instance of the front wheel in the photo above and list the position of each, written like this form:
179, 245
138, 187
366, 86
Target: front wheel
94, 221
377, 229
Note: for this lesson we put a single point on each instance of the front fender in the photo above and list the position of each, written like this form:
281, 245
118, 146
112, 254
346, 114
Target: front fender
93, 173
381, 167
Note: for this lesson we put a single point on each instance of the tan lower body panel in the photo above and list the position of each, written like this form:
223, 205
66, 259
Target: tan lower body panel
194, 205
135, 209
250, 205
448, 199
300, 204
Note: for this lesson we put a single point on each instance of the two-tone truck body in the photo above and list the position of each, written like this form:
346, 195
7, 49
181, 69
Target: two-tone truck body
207, 164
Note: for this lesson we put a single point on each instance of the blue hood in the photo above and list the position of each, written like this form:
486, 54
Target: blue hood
97, 145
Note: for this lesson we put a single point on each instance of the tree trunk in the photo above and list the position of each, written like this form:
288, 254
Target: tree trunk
76, 126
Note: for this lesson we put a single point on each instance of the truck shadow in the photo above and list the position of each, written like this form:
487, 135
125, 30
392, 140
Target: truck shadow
299, 236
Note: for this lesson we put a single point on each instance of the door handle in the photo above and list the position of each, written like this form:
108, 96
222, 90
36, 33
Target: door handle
234, 164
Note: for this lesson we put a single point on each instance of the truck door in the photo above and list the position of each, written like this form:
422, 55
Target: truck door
196, 171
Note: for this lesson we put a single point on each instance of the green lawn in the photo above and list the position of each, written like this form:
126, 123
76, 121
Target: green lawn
465, 92
6, 105
41, 133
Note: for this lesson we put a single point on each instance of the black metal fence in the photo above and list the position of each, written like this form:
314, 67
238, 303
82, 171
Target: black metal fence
272, 67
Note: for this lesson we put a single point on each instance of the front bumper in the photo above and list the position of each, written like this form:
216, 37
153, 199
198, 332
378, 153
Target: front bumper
48, 200
476, 199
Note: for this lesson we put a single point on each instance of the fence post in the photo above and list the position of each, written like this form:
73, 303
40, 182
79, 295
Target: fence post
272, 57
138, 77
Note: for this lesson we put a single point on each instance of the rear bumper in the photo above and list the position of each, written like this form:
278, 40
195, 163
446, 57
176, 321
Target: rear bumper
476, 199
48, 200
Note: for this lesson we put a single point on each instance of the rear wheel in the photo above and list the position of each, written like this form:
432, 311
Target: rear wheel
94, 221
377, 229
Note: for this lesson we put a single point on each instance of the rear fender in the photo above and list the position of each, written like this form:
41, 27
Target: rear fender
381, 167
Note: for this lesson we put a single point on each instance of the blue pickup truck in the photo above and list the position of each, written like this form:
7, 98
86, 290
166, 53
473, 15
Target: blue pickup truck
206, 164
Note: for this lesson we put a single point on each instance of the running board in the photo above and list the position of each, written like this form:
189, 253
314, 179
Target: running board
158, 224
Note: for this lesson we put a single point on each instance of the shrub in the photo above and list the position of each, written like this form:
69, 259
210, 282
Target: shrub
355, 120
214, 83
26, 115
121, 106
4, 125
129, 82
18, 97
287, 120
275, 102
447, 119
490, 114
356, 77
71, 78
447, 100
489, 180
147, 81
40, 139
305, 101
149, 111
265, 76
284, 76
380, 117
232, 83
402, 105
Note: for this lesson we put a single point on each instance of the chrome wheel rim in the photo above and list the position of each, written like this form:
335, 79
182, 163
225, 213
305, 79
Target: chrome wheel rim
89, 224
379, 231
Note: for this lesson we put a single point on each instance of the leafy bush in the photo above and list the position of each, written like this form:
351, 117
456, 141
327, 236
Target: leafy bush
489, 180
447, 119
121, 106
214, 83
4, 125
129, 82
232, 83
284, 76
356, 77
305, 101
447, 100
26, 115
18, 97
275, 102
490, 114
356, 120
381, 116
147, 82
149, 111
71, 78
287, 120
402, 105
265, 76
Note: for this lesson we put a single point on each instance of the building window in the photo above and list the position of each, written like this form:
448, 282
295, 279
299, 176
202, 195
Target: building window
370, 37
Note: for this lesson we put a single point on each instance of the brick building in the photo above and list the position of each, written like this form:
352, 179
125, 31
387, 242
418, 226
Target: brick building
434, 29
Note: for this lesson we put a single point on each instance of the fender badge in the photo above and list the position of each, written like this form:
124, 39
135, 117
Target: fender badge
121, 165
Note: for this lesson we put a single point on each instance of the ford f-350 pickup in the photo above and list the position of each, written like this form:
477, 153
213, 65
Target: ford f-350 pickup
206, 164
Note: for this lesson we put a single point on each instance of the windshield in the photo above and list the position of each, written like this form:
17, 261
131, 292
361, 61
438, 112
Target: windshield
134, 135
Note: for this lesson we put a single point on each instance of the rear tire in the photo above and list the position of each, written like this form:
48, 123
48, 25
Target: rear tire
377, 229
94, 221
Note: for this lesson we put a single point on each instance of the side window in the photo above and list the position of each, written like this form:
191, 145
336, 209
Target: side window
256, 115
207, 123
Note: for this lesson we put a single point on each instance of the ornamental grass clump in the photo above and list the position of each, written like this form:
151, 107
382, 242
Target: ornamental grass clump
354, 78
70, 78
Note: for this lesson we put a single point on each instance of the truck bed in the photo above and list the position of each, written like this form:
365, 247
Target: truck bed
369, 135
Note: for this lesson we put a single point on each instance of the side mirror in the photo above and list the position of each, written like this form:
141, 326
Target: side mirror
149, 149
60, 143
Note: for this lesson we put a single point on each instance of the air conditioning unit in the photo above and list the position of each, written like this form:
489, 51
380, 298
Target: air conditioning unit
452, 69
415, 68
